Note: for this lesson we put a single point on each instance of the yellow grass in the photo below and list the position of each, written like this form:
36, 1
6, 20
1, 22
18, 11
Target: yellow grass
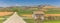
27, 15
52, 15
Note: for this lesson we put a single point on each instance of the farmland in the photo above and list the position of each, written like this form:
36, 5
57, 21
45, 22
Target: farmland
27, 12
53, 11
32, 21
49, 21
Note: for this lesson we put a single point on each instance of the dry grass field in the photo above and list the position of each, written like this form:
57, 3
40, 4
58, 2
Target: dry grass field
5, 13
52, 14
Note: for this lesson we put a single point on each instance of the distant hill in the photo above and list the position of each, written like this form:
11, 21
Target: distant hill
12, 8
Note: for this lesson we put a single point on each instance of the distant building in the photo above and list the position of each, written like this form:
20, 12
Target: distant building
38, 15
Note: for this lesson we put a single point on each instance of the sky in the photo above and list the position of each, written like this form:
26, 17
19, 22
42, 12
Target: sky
5, 3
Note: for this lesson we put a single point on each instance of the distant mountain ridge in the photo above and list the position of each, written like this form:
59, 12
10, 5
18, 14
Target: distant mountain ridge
26, 7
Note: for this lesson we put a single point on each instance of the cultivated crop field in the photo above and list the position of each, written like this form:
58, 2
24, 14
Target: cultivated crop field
29, 12
53, 11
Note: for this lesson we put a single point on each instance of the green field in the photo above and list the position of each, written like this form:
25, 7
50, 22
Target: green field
29, 11
2, 20
50, 11
32, 21
53, 11
49, 21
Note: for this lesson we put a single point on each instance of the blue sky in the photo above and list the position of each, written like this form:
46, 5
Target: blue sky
4, 3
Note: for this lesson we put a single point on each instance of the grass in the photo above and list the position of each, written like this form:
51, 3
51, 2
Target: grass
50, 11
1, 20
32, 21
53, 21
53, 11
